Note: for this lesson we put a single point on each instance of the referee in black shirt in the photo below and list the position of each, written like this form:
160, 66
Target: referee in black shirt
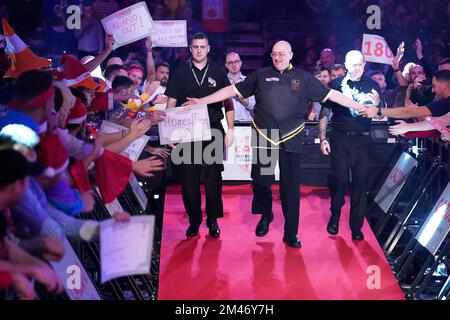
197, 79
349, 145
283, 94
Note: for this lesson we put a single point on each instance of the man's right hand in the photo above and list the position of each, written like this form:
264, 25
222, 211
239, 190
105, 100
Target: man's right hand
325, 147
52, 249
191, 101
45, 275
139, 127
145, 167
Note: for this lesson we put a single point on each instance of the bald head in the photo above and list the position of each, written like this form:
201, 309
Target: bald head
233, 63
354, 62
281, 55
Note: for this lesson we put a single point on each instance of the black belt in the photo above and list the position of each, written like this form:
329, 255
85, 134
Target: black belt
355, 133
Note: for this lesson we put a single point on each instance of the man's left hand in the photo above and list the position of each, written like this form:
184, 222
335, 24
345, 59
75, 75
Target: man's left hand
229, 137
400, 128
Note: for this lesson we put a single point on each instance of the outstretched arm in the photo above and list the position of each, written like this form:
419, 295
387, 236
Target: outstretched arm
221, 95
342, 100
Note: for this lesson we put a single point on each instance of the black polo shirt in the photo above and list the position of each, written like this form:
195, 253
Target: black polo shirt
282, 100
345, 119
440, 107
183, 84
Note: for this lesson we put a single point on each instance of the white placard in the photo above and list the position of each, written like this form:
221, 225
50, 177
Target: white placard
76, 281
126, 248
436, 226
134, 150
376, 49
169, 33
395, 181
129, 25
185, 124
138, 192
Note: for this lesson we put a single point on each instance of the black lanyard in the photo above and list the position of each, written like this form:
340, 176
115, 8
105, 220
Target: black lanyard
204, 75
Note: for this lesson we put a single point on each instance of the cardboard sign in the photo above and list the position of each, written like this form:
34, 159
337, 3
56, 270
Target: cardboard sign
436, 226
375, 49
169, 33
395, 181
129, 25
134, 150
126, 248
185, 124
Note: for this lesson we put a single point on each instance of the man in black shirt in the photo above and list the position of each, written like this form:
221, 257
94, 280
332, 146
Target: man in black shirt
349, 145
283, 94
197, 79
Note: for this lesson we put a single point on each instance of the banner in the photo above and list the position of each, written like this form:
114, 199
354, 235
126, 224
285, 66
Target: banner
395, 181
169, 33
215, 15
129, 25
376, 49
185, 124
436, 226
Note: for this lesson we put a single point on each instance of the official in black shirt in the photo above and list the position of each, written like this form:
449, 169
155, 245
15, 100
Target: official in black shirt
197, 79
350, 144
283, 94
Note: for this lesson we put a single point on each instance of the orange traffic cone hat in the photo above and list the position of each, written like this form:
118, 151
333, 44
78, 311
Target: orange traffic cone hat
21, 57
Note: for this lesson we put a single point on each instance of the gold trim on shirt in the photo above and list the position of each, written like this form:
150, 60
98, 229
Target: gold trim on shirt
237, 91
327, 96
285, 138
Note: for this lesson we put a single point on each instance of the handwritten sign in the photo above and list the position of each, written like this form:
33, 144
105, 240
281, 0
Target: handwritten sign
126, 248
169, 33
77, 285
395, 181
437, 225
185, 124
129, 25
134, 150
376, 49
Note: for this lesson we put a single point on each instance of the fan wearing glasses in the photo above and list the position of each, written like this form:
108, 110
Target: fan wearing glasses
243, 107
283, 94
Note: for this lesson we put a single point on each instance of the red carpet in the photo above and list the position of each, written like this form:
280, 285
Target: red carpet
239, 265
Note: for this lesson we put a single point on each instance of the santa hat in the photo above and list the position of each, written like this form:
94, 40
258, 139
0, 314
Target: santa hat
112, 185
76, 73
103, 101
53, 155
22, 58
77, 114
79, 176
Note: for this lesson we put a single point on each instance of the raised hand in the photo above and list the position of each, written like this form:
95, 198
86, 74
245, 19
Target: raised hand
148, 43
139, 127
145, 167
109, 41
400, 128
419, 48
156, 116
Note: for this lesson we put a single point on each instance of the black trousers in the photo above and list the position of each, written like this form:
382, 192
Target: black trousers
350, 152
190, 174
263, 178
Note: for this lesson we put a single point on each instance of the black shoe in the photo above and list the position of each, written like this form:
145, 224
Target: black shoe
214, 230
333, 225
192, 231
263, 225
292, 241
358, 236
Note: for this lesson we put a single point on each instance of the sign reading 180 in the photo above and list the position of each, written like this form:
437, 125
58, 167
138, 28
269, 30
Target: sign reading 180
377, 49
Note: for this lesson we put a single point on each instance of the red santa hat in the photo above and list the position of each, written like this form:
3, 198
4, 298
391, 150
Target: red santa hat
77, 114
103, 101
112, 185
21, 57
76, 74
53, 155
79, 176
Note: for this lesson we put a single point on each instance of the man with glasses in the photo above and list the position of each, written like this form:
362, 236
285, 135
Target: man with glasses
243, 108
283, 94
200, 78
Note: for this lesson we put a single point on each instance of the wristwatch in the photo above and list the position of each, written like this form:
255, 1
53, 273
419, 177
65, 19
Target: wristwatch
379, 114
